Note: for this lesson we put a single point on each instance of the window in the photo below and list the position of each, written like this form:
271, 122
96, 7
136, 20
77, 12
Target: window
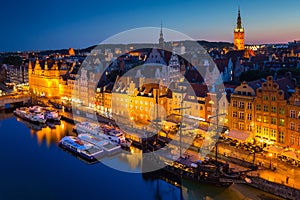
273, 120
258, 107
297, 102
241, 105
273, 109
266, 131
234, 103
241, 126
249, 127
298, 127
293, 114
281, 110
265, 119
280, 137
292, 126
141, 107
249, 106
258, 130
273, 133
292, 139
266, 108
235, 125
234, 114
241, 115
266, 98
273, 98
281, 122
258, 118
249, 117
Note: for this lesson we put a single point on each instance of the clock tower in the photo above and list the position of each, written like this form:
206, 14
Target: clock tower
239, 34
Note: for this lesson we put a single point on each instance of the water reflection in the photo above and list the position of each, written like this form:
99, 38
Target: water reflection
49, 133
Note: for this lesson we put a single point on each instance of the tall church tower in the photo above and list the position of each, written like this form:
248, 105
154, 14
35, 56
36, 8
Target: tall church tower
161, 41
239, 34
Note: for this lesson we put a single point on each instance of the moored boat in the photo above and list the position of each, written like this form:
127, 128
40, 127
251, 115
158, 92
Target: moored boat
81, 148
101, 142
24, 114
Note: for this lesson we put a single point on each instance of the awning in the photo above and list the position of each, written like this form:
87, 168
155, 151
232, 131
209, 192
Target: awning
273, 149
238, 135
291, 154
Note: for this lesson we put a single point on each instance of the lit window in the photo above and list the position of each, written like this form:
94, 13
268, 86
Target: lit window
249, 117
281, 122
241, 115
241, 126
281, 110
281, 136
265, 119
241, 105
249, 106
258, 118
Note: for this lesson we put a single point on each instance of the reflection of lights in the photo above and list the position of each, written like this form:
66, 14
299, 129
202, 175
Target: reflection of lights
63, 126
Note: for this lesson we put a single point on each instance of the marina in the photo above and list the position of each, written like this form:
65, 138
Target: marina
95, 140
69, 167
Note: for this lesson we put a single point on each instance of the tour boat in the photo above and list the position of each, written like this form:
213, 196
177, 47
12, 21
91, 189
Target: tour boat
24, 114
124, 142
81, 148
50, 114
101, 142
88, 127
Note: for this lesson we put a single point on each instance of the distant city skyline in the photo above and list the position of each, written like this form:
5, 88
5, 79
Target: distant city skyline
32, 25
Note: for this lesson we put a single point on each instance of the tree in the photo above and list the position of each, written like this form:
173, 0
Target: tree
12, 60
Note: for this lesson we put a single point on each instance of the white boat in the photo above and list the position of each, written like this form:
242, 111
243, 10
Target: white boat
108, 133
81, 148
101, 142
49, 113
88, 127
36, 118
52, 115
124, 142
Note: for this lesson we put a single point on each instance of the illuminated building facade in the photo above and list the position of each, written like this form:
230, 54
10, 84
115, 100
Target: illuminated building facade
292, 137
268, 112
241, 112
45, 81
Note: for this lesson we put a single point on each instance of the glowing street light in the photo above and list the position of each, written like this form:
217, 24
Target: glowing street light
270, 155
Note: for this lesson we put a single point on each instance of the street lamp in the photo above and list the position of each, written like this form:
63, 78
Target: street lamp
131, 118
270, 155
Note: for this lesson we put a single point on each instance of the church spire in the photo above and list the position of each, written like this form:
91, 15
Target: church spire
161, 32
239, 20
161, 41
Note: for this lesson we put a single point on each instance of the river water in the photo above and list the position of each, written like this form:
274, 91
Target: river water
34, 167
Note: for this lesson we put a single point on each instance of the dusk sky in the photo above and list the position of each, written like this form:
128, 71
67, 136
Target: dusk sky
38, 25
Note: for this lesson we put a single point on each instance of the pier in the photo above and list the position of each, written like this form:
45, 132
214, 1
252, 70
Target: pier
8, 100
